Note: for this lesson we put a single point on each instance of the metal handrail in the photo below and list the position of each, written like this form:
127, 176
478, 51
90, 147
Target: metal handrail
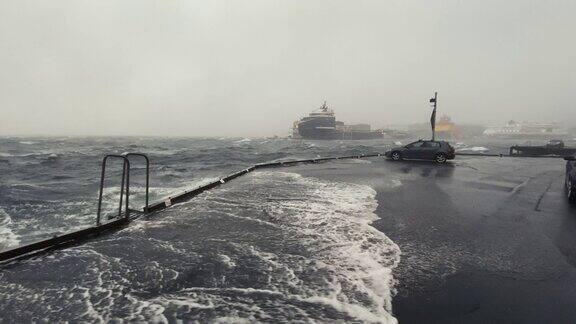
127, 155
125, 181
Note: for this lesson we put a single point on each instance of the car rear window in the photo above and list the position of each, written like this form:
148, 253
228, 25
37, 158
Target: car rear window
415, 144
431, 144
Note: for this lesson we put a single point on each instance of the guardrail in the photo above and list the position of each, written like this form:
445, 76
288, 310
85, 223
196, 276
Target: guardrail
186, 195
122, 219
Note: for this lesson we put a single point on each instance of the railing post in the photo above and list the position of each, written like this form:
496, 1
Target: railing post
127, 164
147, 176
125, 183
101, 190
122, 189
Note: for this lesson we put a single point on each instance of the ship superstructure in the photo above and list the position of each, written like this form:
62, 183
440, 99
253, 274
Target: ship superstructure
526, 130
446, 129
321, 124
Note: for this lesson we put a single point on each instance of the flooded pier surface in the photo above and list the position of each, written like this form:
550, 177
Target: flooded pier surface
482, 239
479, 239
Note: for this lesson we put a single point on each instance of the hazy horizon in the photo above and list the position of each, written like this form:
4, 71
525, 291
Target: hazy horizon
228, 68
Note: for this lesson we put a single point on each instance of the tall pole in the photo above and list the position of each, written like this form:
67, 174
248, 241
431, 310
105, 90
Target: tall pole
433, 117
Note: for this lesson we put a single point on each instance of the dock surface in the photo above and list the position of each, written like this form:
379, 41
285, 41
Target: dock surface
483, 240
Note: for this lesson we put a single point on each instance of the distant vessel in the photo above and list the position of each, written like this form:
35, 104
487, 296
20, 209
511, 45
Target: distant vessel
554, 147
395, 134
321, 124
525, 130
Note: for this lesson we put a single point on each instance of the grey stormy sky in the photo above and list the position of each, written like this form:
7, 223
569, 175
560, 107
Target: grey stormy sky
249, 68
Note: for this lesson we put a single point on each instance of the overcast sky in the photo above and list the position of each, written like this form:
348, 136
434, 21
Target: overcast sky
250, 68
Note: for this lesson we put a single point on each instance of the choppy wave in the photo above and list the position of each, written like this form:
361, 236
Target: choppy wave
473, 149
110, 195
7, 237
269, 247
336, 217
348, 264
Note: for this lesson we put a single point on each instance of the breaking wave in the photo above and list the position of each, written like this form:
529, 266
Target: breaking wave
268, 247
473, 149
7, 237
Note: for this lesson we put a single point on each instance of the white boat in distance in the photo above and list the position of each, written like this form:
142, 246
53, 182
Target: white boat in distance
526, 130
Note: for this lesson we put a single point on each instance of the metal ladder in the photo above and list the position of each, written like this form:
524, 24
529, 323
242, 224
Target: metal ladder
125, 186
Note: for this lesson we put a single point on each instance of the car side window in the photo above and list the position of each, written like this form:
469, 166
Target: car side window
415, 145
431, 144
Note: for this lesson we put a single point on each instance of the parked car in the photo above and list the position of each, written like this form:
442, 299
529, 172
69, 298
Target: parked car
570, 182
439, 151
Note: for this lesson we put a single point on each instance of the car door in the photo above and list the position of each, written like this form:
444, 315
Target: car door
413, 150
429, 150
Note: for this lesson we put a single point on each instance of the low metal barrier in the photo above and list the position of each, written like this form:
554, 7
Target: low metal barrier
124, 186
122, 219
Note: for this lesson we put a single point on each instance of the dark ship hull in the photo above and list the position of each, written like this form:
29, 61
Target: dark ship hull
338, 135
322, 125
555, 148
541, 151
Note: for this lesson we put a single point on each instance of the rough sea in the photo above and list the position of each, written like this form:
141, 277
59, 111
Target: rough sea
272, 246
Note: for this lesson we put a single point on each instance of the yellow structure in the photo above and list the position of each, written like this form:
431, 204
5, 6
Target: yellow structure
445, 128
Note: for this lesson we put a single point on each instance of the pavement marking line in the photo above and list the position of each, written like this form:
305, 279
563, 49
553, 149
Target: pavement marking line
537, 207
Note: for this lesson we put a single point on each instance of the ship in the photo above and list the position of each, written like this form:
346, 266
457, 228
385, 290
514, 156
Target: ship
552, 148
526, 130
321, 124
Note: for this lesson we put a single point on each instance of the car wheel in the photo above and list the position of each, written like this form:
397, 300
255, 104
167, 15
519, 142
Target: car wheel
441, 158
396, 156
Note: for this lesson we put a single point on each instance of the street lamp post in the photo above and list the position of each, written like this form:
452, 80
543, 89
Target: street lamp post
433, 101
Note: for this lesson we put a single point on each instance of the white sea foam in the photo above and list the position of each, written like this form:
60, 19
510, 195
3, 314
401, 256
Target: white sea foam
474, 149
7, 237
227, 261
138, 193
351, 263
360, 257
357, 161
347, 266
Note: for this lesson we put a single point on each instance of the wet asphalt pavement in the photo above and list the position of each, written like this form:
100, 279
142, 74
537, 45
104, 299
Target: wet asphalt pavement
483, 240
